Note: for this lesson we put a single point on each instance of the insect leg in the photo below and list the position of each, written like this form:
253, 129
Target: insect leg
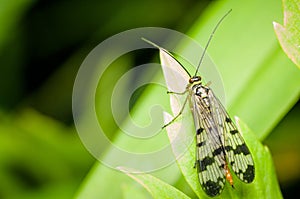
180, 112
176, 93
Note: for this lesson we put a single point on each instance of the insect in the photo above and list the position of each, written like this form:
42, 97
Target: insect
218, 141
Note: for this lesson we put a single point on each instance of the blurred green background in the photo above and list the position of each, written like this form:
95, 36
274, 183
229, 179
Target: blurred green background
42, 44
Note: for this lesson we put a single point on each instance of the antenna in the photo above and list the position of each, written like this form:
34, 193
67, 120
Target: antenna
210, 37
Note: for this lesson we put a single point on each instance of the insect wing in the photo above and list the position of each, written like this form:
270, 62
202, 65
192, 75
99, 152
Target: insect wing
237, 152
210, 157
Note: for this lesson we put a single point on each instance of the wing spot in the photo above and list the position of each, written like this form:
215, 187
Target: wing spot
228, 119
207, 161
242, 149
200, 144
199, 131
217, 151
234, 131
213, 188
228, 148
248, 175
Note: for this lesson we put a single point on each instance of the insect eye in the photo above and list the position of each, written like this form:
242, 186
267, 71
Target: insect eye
198, 78
195, 79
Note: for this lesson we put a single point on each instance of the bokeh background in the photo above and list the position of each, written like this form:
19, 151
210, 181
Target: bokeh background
42, 44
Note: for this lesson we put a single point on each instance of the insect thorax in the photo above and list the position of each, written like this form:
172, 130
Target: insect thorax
200, 90
196, 88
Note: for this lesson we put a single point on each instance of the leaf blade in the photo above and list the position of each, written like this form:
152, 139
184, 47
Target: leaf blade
156, 187
288, 34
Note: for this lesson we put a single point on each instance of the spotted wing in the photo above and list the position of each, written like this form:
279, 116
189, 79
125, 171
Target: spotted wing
237, 152
210, 153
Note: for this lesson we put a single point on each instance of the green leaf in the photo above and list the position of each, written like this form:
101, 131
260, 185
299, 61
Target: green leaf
97, 185
131, 191
181, 138
288, 34
157, 188
265, 184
